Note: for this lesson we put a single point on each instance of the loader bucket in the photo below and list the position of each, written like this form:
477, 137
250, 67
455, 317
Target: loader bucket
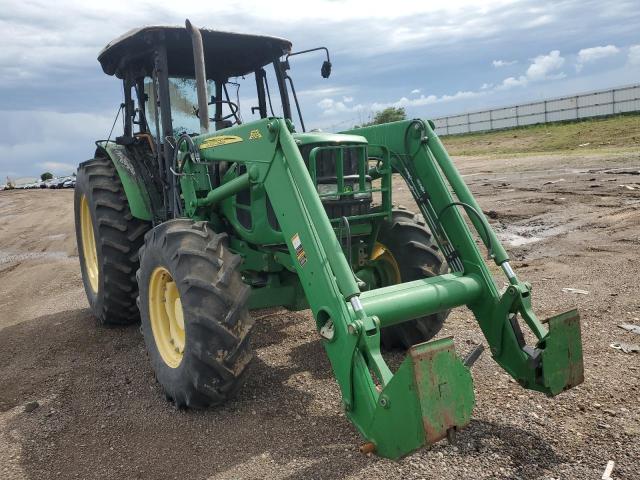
431, 393
562, 366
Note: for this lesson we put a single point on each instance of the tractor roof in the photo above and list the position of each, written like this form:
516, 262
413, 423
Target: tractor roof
226, 54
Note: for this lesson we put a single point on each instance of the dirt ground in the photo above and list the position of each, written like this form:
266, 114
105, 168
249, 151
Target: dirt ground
569, 221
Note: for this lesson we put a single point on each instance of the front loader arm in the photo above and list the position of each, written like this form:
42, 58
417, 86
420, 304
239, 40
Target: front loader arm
419, 156
431, 393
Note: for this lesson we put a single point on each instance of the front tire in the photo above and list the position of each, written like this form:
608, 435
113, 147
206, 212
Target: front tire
194, 318
409, 252
108, 238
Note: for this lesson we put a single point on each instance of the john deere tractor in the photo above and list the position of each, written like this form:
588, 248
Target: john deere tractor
190, 219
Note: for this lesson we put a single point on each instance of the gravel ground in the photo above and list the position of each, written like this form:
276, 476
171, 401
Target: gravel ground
567, 222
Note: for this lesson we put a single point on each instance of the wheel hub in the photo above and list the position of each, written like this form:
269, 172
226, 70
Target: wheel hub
386, 264
167, 317
88, 244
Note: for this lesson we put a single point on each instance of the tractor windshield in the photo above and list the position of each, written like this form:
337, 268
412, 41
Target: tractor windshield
182, 92
238, 102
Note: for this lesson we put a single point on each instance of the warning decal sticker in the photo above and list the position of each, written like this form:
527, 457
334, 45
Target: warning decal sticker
297, 246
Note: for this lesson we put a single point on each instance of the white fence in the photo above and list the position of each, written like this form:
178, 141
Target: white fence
592, 104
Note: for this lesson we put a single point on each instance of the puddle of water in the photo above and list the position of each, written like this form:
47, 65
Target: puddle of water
58, 236
515, 240
11, 257
518, 235
8, 218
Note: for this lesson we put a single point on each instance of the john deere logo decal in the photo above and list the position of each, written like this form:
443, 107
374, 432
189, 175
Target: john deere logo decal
219, 140
255, 135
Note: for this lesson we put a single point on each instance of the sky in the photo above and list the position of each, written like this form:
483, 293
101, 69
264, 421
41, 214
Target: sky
432, 59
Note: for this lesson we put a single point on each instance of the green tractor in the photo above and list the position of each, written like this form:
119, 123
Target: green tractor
188, 222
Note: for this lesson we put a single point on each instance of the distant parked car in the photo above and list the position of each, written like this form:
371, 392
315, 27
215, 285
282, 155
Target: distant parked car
56, 182
71, 183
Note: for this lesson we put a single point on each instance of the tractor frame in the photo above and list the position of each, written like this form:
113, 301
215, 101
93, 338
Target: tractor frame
293, 254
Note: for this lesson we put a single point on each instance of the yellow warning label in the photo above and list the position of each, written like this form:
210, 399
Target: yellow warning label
219, 140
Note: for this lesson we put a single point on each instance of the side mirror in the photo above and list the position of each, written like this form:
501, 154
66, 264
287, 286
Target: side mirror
325, 71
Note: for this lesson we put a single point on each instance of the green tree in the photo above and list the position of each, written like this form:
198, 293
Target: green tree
389, 114
46, 176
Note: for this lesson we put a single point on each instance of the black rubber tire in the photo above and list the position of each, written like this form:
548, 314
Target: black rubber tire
118, 237
417, 255
214, 303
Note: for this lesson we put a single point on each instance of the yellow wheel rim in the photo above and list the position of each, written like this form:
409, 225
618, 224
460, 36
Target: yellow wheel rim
167, 319
381, 253
88, 244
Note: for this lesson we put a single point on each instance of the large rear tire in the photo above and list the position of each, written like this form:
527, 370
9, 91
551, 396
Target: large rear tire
407, 247
195, 321
108, 239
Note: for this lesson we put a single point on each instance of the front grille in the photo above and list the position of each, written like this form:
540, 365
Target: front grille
326, 173
326, 162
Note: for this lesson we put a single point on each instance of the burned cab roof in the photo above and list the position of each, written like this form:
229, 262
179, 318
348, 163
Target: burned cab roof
226, 54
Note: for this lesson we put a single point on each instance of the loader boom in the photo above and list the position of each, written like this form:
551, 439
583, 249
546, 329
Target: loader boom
431, 393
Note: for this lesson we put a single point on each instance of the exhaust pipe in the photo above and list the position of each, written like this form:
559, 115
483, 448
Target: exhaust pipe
201, 77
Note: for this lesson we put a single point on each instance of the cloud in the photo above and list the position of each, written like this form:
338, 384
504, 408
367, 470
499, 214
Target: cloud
34, 141
37, 39
543, 67
322, 92
58, 166
503, 63
539, 21
634, 55
331, 107
347, 99
593, 54
48, 57
510, 82
423, 100
596, 53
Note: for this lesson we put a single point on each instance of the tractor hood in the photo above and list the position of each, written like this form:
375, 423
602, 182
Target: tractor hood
330, 138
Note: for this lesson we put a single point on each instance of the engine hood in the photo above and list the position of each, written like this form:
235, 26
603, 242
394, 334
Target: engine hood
331, 138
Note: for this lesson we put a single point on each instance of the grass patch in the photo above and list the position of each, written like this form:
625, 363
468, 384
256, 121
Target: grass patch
619, 132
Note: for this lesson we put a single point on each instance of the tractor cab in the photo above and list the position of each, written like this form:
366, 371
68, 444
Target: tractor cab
185, 81
157, 63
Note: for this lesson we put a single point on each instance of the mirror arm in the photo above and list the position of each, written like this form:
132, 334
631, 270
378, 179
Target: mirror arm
309, 50
326, 65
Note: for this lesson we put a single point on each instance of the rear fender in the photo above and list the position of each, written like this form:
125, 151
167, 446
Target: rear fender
134, 188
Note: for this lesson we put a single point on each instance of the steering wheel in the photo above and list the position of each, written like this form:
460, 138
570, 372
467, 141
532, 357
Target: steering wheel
233, 106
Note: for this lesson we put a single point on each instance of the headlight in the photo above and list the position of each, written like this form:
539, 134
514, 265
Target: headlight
327, 189
366, 194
